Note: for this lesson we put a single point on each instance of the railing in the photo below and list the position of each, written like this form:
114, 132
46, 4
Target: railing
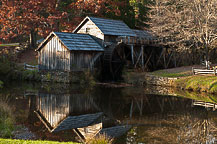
203, 71
30, 67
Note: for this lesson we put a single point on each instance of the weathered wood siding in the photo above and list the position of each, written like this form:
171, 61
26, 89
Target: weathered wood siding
54, 56
53, 107
93, 30
80, 60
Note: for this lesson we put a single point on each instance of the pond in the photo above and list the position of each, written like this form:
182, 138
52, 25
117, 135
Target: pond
128, 114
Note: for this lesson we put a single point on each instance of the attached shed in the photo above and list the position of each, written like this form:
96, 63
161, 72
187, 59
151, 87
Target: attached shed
105, 29
68, 52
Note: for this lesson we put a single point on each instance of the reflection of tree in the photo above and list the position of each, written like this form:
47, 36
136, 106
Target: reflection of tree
194, 127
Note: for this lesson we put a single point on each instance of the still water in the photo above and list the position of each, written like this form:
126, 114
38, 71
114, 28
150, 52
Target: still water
131, 115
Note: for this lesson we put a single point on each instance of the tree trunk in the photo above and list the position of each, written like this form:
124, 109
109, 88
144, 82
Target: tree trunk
33, 39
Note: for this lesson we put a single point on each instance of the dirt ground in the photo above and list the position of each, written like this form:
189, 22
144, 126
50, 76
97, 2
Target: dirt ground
181, 69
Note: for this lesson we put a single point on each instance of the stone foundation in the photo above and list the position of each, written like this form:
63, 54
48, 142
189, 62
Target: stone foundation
61, 77
160, 81
146, 79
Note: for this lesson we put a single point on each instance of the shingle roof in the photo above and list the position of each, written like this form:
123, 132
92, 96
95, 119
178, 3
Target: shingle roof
80, 121
110, 27
143, 34
79, 41
75, 41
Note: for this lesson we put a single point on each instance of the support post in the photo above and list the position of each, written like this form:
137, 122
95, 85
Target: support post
142, 50
132, 51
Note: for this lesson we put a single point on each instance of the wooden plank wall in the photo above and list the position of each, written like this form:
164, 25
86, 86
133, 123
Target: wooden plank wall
80, 60
93, 30
54, 108
54, 56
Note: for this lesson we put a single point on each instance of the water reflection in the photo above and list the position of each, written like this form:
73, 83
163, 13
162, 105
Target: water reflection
78, 111
135, 115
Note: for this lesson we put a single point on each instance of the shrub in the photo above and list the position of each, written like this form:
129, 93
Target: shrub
6, 66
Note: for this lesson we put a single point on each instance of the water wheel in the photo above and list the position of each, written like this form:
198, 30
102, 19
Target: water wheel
114, 60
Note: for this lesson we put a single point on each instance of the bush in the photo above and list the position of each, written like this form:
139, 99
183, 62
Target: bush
6, 66
30, 75
6, 120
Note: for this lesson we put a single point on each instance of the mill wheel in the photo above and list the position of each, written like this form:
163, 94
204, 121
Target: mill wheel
114, 60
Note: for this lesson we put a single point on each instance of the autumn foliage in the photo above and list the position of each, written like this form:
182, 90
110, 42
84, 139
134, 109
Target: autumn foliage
19, 18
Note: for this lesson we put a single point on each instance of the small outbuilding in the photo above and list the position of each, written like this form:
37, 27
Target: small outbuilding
68, 52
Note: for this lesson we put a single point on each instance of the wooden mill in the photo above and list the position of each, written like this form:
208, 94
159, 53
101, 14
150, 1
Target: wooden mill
112, 40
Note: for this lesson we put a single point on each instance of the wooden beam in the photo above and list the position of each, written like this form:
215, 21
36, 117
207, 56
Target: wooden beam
170, 56
142, 49
148, 59
140, 56
131, 109
132, 52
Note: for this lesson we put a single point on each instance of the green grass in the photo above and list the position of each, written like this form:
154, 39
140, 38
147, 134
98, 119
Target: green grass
163, 73
8, 45
12, 141
198, 83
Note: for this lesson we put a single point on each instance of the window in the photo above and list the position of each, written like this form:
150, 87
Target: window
87, 30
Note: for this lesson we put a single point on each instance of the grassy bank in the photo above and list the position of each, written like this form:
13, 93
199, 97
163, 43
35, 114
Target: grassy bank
167, 73
198, 83
12, 141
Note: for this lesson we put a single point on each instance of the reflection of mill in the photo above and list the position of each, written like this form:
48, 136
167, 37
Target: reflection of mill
78, 112
171, 117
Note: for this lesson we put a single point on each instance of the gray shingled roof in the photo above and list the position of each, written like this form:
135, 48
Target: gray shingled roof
112, 27
115, 131
109, 26
143, 34
72, 122
79, 41
73, 41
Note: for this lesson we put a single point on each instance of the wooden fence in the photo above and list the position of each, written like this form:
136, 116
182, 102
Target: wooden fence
30, 67
203, 71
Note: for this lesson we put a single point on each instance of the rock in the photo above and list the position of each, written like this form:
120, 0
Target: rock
24, 133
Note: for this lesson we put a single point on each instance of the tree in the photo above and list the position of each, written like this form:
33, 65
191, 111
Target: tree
20, 18
192, 23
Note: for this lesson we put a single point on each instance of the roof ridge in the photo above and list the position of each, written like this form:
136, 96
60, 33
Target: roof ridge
106, 18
